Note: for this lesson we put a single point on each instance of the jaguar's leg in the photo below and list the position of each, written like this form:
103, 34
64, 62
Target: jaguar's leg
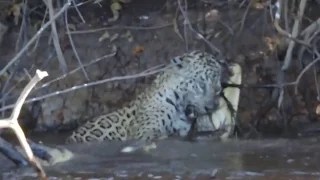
192, 116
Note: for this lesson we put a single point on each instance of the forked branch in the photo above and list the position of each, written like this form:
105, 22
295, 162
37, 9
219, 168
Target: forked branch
13, 124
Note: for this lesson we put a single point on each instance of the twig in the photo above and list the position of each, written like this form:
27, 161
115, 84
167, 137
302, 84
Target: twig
120, 27
185, 31
142, 74
285, 33
188, 23
311, 28
308, 35
35, 37
13, 124
304, 71
81, 3
175, 25
277, 18
315, 50
286, 14
125, 27
7, 92
79, 13
22, 39
55, 36
294, 34
295, 31
244, 16
316, 81
23, 29
74, 48
76, 69
38, 39
6, 84
63, 76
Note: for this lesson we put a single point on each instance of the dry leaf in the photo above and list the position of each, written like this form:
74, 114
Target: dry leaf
258, 4
16, 11
130, 39
104, 36
72, 27
216, 35
137, 50
272, 43
116, 6
128, 36
114, 37
5, 76
212, 15
114, 48
318, 109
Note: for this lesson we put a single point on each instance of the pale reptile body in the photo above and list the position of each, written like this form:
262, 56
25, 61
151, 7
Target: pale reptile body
191, 79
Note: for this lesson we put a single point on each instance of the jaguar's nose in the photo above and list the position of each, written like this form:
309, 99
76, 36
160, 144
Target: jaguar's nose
209, 108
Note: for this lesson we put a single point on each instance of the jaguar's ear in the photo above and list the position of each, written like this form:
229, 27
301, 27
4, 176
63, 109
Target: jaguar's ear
177, 62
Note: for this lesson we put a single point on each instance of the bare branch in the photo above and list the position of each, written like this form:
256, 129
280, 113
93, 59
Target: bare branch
114, 51
55, 36
311, 28
285, 33
13, 124
125, 27
142, 74
294, 34
292, 37
34, 38
74, 48
304, 71
78, 11
200, 36
38, 39
39, 75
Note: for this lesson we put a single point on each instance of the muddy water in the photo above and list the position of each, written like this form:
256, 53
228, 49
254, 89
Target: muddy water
173, 159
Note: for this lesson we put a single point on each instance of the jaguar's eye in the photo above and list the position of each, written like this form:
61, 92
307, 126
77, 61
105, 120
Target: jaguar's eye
202, 86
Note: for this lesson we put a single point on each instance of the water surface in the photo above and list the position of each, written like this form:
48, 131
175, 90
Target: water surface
175, 159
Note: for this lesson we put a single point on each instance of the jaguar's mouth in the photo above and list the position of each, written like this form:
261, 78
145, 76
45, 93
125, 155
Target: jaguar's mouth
209, 109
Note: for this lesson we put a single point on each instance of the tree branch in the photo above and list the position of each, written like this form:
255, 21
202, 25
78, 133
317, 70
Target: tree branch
13, 124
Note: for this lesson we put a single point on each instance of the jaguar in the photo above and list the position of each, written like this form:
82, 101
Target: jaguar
192, 78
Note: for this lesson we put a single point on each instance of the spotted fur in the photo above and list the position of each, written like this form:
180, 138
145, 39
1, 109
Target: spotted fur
190, 79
